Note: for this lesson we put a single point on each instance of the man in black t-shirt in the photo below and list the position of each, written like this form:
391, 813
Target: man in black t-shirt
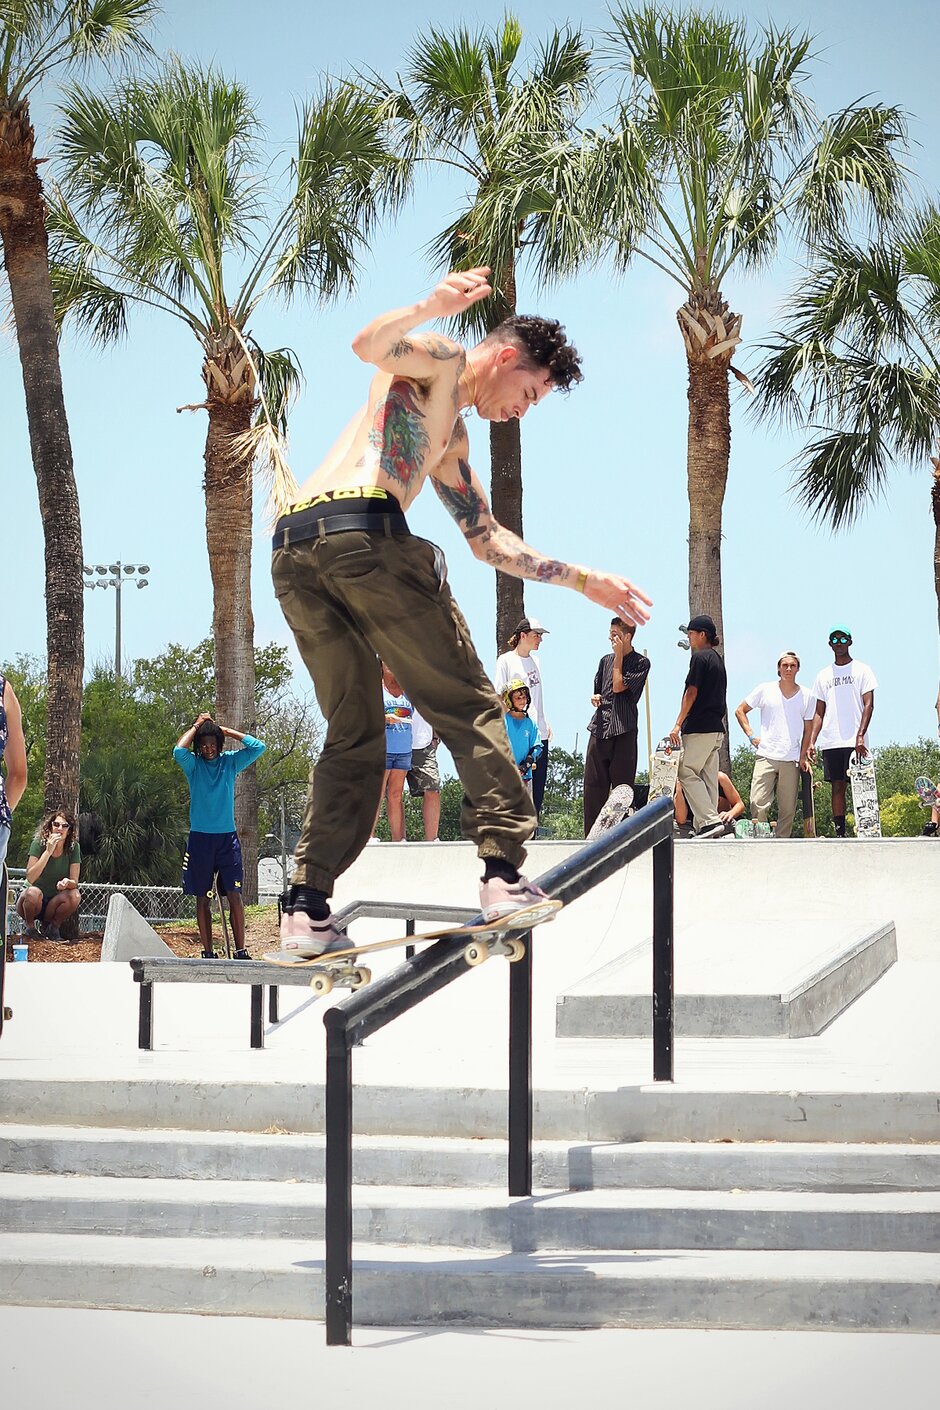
611, 751
699, 727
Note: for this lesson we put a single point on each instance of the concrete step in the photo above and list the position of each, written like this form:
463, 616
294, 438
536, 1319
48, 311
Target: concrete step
629, 1288
630, 1112
413, 1160
475, 1219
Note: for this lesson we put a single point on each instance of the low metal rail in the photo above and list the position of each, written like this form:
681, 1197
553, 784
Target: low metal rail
423, 974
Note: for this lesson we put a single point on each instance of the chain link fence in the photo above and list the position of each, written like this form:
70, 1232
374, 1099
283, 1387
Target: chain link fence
155, 903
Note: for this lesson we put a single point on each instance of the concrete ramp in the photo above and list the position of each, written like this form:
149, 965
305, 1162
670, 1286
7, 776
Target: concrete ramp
741, 978
127, 935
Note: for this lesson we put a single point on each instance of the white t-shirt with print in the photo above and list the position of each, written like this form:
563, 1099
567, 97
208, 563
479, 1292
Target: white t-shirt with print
781, 720
421, 731
510, 666
841, 689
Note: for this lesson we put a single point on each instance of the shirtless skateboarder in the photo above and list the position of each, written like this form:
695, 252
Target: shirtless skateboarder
356, 585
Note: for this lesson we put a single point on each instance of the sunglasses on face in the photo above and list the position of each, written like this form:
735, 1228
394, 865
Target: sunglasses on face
839, 640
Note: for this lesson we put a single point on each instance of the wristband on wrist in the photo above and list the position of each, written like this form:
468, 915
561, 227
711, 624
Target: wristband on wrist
581, 580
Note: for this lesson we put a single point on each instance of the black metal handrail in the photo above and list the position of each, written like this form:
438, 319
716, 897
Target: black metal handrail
369, 1009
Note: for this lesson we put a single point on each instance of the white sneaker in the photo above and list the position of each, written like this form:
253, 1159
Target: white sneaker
500, 898
304, 938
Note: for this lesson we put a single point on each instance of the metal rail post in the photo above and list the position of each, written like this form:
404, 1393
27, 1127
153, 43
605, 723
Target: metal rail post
338, 1213
520, 1072
663, 986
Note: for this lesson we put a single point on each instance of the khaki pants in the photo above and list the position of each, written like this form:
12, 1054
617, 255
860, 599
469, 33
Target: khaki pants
698, 775
782, 775
352, 597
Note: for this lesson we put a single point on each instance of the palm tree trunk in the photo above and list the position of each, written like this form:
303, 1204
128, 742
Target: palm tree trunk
709, 450
506, 477
935, 507
228, 538
26, 258
506, 502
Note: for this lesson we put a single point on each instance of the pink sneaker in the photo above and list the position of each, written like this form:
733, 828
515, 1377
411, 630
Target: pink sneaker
500, 898
304, 938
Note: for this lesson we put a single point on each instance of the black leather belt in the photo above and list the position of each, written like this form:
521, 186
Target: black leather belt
391, 525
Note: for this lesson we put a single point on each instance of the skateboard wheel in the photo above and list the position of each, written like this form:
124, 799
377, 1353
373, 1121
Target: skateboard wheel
7, 1013
476, 953
515, 951
361, 976
321, 984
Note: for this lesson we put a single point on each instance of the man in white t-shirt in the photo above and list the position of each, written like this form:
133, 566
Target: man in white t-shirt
845, 700
424, 776
784, 709
521, 662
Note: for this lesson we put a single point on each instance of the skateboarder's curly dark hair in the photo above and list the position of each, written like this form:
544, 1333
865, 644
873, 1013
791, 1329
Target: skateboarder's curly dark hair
544, 345
207, 730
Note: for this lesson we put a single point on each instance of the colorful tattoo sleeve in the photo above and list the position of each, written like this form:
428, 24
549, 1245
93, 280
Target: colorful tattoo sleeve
398, 433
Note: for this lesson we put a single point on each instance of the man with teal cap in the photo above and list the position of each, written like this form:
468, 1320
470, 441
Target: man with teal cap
845, 700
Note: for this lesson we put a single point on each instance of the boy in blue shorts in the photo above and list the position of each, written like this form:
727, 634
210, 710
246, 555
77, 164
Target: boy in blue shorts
213, 848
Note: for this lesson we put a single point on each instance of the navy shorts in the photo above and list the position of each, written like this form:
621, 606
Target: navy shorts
211, 854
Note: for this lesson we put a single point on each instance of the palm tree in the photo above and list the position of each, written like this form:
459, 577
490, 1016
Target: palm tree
462, 102
858, 361
164, 188
39, 38
715, 154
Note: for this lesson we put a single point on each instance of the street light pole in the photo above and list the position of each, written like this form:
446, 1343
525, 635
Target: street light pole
119, 573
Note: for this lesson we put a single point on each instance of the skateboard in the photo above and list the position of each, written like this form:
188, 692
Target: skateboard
5, 1013
809, 806
664, 770
488, 938
619, 805
864, 796
745, 828
926, 791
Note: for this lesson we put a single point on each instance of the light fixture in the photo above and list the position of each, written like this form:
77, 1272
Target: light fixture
100, 568
144, 568
142, 582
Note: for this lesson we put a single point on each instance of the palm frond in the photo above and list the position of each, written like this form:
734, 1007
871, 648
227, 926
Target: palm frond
105, 28
446, 75
838, 473
853, 168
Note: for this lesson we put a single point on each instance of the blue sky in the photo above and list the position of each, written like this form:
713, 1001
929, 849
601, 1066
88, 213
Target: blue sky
604, 469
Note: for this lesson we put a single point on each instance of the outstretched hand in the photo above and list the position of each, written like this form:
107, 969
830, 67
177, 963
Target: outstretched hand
458, 291
618, 595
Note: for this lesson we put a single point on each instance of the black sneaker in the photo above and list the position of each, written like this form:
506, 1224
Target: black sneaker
52, 932
208, 955
930, 830
240, 955
718, 829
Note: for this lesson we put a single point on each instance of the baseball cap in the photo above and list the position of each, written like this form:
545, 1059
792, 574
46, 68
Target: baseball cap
839, 631
701, 623
531, 624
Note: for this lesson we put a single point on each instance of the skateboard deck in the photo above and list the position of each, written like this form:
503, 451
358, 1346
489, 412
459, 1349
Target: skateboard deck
809, 805
496, 937
864, 796
5, 1013
746, 828
617, 807
664, 770
926, 790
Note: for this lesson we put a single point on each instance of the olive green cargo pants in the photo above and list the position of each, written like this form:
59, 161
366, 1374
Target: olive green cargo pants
349, 599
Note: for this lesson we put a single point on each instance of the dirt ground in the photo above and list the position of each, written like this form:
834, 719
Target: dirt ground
183, 940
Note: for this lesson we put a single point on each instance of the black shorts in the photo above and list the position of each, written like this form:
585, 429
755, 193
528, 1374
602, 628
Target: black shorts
211, 854
836, 764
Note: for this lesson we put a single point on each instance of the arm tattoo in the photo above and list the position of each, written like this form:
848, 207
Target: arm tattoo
398, 433
462, 501
401, 349
441, 348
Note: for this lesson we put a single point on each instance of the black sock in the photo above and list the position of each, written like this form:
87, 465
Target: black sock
839, 825
309, 900
498, 866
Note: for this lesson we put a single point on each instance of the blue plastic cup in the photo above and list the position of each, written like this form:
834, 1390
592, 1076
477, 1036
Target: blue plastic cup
21, 952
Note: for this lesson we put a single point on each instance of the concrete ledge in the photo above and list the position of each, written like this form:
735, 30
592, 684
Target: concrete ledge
813, 982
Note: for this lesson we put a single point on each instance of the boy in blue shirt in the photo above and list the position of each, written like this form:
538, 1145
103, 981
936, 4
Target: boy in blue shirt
213, 848
524, 738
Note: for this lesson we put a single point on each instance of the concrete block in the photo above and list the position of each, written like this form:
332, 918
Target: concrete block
127, 935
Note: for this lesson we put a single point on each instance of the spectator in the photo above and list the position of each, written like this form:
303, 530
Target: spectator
523, 732
52, 894
213, 849
424, 776
13, 757
931, 828
612, 747
784, 709
845, 702
521, 662
730, 805
398, 746
699, 727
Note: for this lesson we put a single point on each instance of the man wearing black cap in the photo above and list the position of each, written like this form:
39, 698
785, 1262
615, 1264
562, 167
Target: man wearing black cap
521, 662
845, 702
699, 728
